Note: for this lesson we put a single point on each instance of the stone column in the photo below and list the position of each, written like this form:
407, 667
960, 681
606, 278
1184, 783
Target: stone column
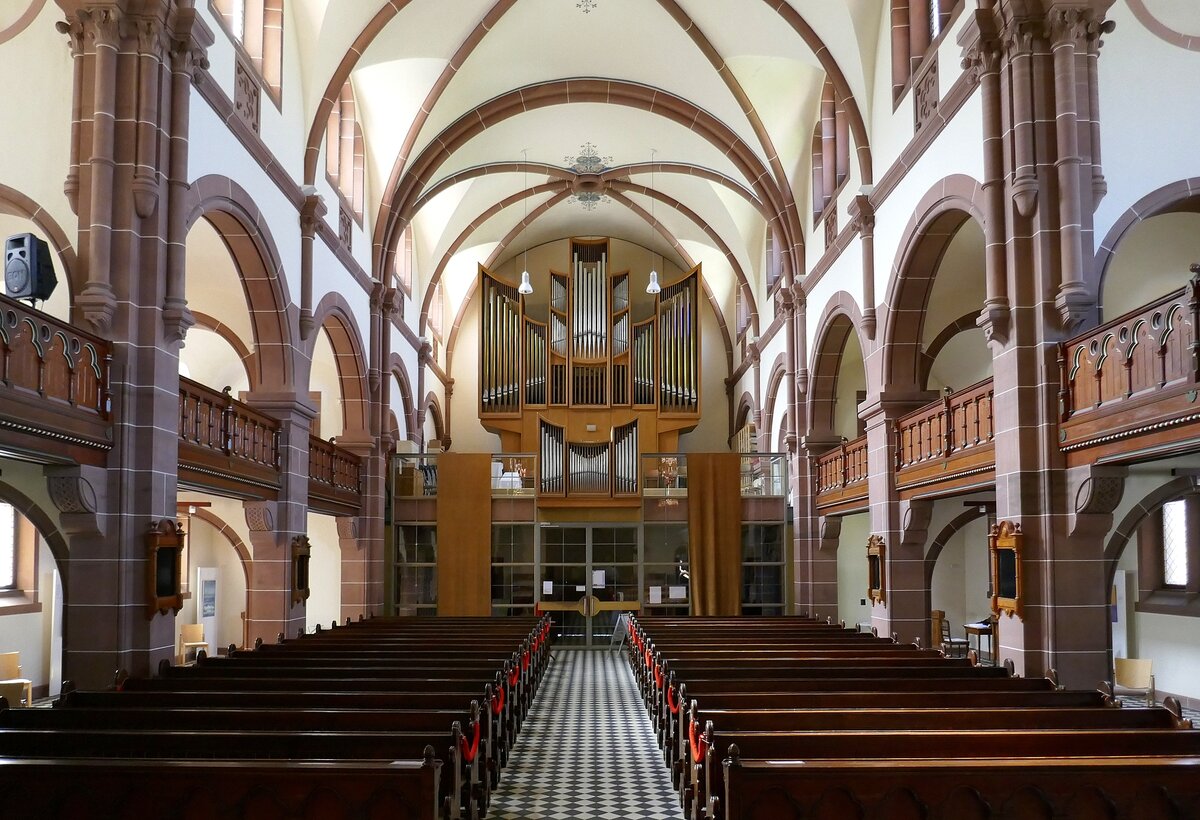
273, 525
123, 153
1049, 189
903, 608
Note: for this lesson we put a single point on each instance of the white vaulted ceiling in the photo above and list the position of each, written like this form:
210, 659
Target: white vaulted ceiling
722, 93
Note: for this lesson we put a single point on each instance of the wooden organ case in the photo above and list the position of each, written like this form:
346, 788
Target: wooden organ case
599, 377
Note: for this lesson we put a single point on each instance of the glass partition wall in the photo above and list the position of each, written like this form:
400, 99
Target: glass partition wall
585, 574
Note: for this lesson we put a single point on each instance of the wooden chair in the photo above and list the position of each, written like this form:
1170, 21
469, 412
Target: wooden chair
1134, 676
191, 636
951, 646
10, 673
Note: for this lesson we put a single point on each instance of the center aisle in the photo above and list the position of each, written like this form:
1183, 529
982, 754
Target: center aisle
586, 750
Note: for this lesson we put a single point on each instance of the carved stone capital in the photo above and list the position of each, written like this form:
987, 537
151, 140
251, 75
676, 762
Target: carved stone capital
77, 497
1075, 304
995, 320
862, 215
102, 25
1095, 491
312, 211
390, 303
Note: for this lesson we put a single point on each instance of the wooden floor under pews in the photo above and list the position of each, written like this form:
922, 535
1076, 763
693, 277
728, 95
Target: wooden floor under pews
788, 718
385, 718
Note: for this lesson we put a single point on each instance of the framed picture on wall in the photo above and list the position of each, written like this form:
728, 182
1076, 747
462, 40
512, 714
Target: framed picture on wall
1004, 552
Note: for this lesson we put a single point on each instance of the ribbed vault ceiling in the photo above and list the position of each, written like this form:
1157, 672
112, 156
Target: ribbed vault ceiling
453, 97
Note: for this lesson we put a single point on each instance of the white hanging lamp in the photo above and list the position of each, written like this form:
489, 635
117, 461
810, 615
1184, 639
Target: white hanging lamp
652, 286
525, 288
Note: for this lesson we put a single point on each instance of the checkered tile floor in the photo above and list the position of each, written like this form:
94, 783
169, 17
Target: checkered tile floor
587, 749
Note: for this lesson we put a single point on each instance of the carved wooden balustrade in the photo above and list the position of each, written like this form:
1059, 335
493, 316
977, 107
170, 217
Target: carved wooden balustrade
842, 476
334, 478
1130, 385
947, 442
225, 444
55, 382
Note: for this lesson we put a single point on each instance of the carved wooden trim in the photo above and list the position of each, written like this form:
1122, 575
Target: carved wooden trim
1005, 543
876, 569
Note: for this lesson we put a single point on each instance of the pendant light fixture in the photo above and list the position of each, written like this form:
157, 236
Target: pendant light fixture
525, 288
652, 286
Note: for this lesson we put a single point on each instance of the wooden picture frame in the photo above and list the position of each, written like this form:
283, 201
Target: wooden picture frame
876, 569
301, 554
1005, 541
164, 567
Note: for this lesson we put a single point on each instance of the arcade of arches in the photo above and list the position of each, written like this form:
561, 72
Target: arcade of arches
921, 285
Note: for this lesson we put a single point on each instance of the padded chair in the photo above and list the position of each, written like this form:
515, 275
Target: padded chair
951, 646
191, 636
10, 676
1134, 676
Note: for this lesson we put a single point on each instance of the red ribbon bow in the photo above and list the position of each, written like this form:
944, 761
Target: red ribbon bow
470, 750
699, 747
498, 701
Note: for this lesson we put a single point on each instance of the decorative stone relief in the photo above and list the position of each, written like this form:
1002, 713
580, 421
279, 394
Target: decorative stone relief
831, 227
347, 527
830, 532
72, 493
246, 95
925, 94
345, 227
260, 516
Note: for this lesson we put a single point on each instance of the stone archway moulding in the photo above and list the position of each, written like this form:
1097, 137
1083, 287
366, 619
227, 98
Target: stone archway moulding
939, 215
335, 316
840, 318
1128, 527
237, 220
1181, 195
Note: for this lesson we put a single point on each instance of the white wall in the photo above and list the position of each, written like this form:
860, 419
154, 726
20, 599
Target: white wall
852, 570
1151, 261
324, 605
207, 547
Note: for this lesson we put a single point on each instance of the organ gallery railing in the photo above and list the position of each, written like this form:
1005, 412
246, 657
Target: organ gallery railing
843, 466
958, 422
217, 422
333, 467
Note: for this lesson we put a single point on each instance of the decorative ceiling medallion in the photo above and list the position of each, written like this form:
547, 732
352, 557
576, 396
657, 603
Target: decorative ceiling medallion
588, 161
588, 200
586, 6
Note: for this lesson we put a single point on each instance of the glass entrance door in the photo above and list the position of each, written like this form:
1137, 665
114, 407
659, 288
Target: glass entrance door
589, 576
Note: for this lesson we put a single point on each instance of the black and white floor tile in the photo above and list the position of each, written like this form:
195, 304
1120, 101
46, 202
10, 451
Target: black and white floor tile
587, 750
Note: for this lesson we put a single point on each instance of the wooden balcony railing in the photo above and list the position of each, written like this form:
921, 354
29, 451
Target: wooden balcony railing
55, 378
219, 422
1136, 374
843, 466
958, 422
332, 466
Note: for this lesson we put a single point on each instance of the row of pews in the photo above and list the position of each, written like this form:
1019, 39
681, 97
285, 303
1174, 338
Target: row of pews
786, 718
382, 718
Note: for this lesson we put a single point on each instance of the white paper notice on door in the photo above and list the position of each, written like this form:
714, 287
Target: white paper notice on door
678, 592
656, 595
547, 587
597, 579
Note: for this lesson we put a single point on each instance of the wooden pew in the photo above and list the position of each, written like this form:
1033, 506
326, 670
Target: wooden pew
68, 789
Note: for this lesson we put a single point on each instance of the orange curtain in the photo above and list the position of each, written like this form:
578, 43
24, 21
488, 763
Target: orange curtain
715, 532
464, 533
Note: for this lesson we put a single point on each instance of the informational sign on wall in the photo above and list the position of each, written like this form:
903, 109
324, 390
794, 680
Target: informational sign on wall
206, 603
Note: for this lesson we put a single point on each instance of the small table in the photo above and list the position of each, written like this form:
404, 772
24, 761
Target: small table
980, 630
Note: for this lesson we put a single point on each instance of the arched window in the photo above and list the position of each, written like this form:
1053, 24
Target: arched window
916, 24
344, 155
1169, 558
257, 26
830, 151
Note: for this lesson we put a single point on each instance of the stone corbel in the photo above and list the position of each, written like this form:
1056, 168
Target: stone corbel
260, 515
1095, 491
914, 524
73, 491
829, 533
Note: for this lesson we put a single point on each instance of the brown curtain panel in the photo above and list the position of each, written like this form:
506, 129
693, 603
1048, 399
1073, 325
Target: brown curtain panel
715, 531
464, 532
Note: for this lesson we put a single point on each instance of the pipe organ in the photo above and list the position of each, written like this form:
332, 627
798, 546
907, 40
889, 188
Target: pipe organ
592, 373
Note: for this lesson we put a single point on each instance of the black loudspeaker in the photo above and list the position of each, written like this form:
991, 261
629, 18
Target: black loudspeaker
28, 269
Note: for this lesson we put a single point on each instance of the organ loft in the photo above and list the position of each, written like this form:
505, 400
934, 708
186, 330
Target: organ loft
590, 373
